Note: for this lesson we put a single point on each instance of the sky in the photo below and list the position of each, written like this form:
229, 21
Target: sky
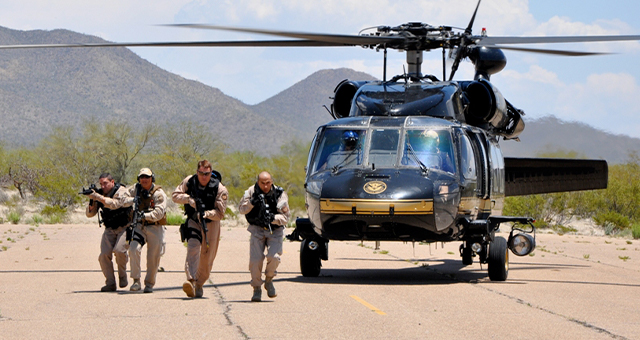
601, 91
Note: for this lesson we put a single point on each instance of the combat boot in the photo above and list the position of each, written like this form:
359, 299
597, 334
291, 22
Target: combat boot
268, 286
135, 286
148, 289
108, 288
123, 282
257, 294
199, 291
187, 287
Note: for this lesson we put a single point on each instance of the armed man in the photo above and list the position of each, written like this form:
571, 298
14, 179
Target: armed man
147, 227
108, 201
205, 202
267, 210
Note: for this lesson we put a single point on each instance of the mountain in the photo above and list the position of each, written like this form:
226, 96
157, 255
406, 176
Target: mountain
41, 88
549, 134
301, 105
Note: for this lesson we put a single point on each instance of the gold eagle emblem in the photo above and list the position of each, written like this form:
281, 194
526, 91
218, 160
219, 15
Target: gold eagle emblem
374, 187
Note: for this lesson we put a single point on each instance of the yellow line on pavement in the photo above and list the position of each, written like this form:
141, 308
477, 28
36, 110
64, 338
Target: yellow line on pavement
368, 305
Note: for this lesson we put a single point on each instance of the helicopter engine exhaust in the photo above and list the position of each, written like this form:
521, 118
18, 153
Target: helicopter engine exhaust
486, 105
343, 96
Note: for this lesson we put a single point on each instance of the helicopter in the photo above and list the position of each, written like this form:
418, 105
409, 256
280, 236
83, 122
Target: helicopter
415, 158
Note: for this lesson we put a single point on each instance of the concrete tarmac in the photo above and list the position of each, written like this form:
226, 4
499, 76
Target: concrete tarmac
571, 287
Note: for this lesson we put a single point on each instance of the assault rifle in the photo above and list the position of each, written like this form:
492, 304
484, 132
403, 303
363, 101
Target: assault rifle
137, 219
89, 190
265, 216
200, 207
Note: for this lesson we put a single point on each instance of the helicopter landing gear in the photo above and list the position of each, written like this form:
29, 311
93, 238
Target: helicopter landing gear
498, 259
466, 253
310, 258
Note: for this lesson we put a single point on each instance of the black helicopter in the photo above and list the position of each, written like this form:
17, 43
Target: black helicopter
415, 158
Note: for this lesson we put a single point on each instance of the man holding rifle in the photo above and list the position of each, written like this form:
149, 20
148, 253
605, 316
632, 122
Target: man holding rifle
205, 202
108, 201
267, 210
147, 227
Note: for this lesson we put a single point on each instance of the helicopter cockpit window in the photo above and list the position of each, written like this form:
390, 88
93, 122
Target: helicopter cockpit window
384, 148
340, 148
431, 147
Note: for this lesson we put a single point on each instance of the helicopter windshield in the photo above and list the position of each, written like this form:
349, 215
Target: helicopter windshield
429, 147
384, 147
340, 148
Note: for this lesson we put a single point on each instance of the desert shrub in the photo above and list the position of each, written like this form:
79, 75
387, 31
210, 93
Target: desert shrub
175, 218
613, 220
635, 231
14, 215
36, 219
54, 214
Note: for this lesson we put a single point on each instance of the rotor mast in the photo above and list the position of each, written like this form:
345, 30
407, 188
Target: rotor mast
414, 63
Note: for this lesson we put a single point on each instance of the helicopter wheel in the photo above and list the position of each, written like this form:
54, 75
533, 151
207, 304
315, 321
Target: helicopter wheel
310, 262
498, 259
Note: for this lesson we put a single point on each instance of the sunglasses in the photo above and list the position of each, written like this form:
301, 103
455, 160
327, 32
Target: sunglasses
204, 173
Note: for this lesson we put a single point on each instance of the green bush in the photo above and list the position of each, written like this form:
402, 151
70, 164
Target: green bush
54, 214
613, 220
175, 218
14, 216
54, 219
36, 219
49, 210
635, 231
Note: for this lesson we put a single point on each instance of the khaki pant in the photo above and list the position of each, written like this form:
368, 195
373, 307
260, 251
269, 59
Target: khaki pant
261, 239
199, 259
154, 238
113, 241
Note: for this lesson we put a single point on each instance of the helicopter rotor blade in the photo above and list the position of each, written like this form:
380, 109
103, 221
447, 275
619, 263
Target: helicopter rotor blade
483, 41
331, 38
473, 18
547, 51
242, 43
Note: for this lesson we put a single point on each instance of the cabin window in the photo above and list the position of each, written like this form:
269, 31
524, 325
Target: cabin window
339, 148
384, 147
432, 147
467, 158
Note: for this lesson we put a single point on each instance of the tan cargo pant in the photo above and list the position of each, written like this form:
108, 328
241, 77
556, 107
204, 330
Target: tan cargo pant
113, 241
261, 239
199, 259
154, 238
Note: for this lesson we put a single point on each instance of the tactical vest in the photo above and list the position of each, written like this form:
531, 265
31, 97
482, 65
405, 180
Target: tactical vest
114, 218
271, 199
208, 195
147, 203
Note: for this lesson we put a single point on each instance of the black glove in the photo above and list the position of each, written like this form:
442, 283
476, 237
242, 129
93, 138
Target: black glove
256, 199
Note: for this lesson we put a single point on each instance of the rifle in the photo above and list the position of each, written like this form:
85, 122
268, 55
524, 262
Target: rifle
89, 190
200, 207
137, 219
92, 188
265, 216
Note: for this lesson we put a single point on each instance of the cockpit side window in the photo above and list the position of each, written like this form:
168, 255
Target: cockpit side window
431, 147
467, 158
339, 148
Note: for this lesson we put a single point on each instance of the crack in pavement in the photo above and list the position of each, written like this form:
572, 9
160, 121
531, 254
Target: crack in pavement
226, 310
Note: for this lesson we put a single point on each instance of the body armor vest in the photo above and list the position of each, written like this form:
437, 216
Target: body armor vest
271, 199
207, 195
147, 203
115, 218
